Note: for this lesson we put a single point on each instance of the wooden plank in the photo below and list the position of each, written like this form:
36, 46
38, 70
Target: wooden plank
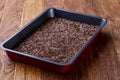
31, 9
51, 3
112, 13
6, 67
1, 13
10, 17
1, 8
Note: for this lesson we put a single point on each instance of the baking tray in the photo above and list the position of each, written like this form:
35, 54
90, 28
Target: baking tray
9, 44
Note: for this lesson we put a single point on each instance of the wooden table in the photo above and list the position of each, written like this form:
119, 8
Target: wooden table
100, 62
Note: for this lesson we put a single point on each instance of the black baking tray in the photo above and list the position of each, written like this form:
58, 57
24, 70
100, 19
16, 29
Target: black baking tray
9, 44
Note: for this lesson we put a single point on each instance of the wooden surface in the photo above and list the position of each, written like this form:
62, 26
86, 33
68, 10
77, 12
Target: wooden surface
100, 62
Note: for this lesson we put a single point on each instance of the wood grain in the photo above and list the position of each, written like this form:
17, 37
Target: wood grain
1, 13
100, 62
10, 22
